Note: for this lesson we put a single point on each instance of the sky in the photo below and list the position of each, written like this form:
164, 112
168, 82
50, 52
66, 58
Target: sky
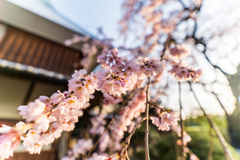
92, 14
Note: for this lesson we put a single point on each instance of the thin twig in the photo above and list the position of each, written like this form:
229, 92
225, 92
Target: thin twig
127, 140
181, 121
147, 157
224, 144
127, 156
166, 45
221, 104
184, 6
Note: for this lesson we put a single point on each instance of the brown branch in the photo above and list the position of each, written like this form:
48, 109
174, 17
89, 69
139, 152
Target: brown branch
224, 144
184, 6
128, 139
202, 42
221, 104
181, 121
166, 45
204, 85
147, 157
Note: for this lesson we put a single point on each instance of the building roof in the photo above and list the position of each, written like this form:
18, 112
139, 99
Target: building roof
44, 9
38, 17
27, 51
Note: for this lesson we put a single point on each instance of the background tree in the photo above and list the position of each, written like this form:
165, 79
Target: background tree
172, 38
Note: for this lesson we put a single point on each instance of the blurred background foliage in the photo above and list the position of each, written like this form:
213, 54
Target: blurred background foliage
204, 142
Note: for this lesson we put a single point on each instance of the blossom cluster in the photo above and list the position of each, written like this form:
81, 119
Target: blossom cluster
83, 85
110, 99
51, 116
183, 73
81, 148
125, 121
179, 51
122, 74
168, 118
84, 145
149, 67
10, 137
48, 117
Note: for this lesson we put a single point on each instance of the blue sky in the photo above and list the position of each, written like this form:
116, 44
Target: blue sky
91, 14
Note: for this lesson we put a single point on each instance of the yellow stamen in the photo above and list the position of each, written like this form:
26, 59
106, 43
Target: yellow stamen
71, 101
37, 145
89, 81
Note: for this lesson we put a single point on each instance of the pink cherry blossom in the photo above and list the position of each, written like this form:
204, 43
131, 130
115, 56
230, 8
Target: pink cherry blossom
96, 156
109, 99
10, 138
33, 110
149, 67
183, 73
179, 51
193, 157
115, 84
98, 125
31, 142
167, 120
41, 123
81, 148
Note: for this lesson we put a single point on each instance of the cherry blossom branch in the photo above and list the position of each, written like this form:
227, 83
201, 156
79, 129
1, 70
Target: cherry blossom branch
181, 121
224, 144
128, 139
110, 122
147, 157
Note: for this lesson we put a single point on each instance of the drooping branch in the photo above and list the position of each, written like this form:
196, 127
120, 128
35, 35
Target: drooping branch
220, 103
204, 85
147, 157
224, 144
128, 139
181, 121
207, 58
203, 42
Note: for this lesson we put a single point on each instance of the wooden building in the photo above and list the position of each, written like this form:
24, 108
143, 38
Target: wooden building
33, 60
